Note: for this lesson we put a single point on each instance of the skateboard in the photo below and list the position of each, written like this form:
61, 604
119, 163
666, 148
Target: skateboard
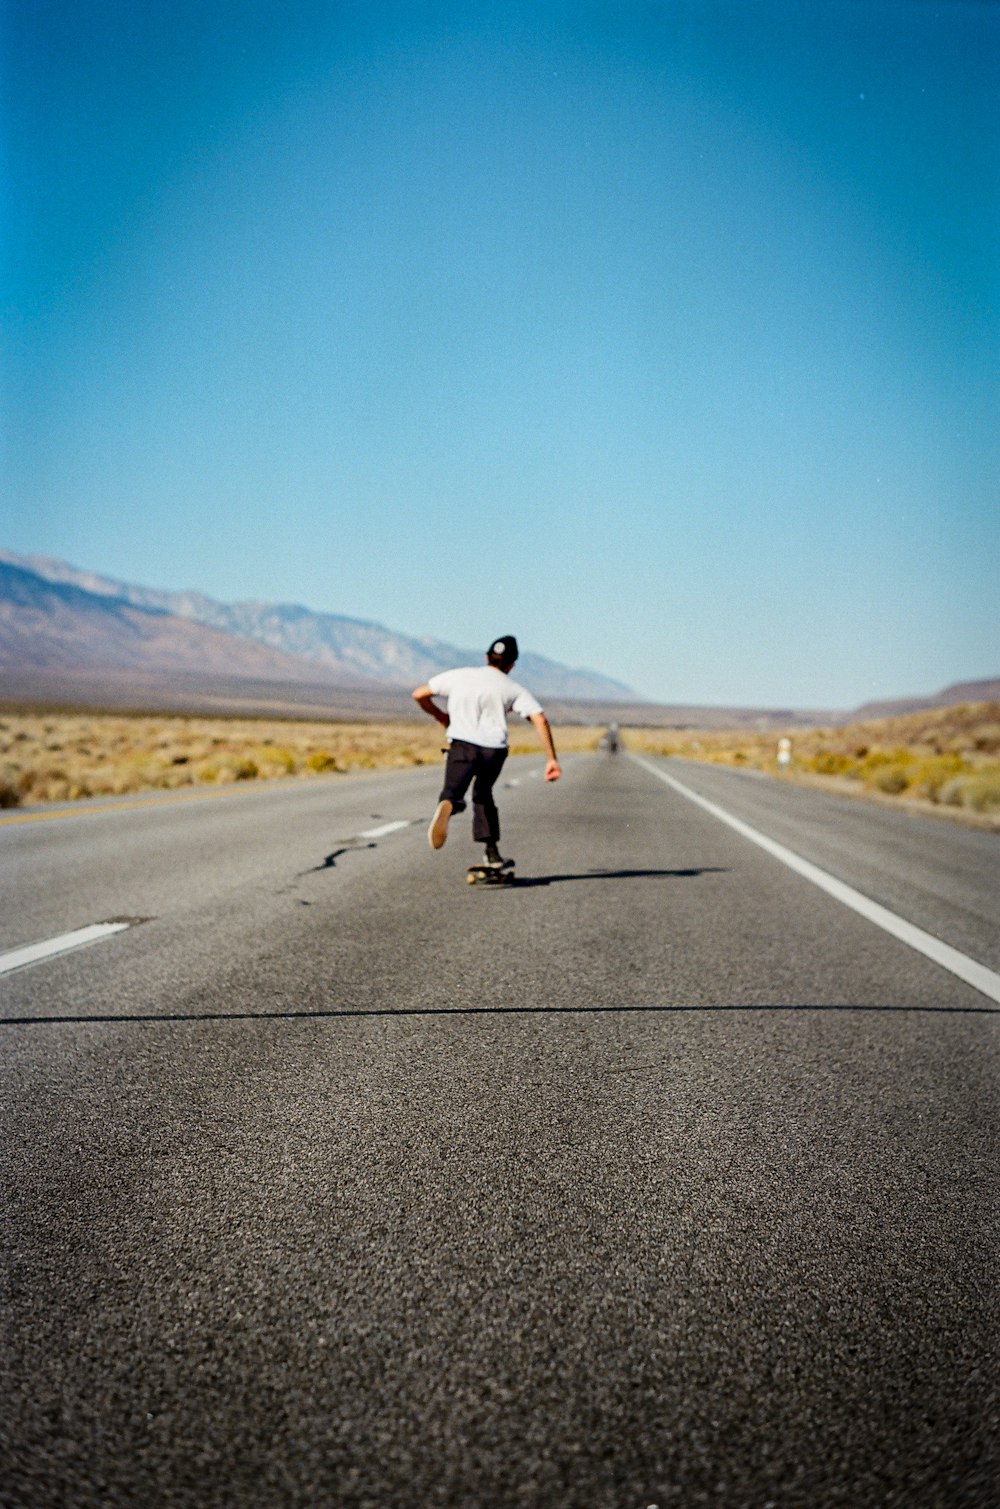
492, 874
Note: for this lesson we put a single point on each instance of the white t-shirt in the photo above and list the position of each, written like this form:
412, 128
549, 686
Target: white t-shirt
479, 699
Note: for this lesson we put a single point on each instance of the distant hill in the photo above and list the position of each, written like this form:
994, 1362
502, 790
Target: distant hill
325, 647
952, 696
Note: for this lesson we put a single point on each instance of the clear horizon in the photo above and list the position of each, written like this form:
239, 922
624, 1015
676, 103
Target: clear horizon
474, 651
661, 335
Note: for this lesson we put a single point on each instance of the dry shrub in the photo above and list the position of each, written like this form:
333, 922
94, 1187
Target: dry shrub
891, 779
941, 756
274, 760
119, 754
978, 793
570, 739
987, 739
930, 774
830, 762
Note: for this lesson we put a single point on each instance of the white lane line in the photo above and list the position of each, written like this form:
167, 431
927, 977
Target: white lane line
16, 958
385, 828
986, 981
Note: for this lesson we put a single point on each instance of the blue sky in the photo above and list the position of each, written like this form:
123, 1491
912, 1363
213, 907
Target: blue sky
663, 335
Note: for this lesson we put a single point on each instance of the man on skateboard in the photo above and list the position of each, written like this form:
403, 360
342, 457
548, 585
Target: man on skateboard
479, 699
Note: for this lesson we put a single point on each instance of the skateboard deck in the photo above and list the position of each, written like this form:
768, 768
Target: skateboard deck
492, 874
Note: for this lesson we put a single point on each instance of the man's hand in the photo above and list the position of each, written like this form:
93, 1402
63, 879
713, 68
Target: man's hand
423, 697
544, 732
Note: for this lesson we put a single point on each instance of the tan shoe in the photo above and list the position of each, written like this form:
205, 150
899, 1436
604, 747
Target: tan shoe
438, 830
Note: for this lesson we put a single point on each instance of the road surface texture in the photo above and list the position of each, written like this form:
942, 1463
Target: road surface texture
663, 1177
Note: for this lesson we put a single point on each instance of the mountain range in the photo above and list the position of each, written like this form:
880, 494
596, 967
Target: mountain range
74, 636
55, 617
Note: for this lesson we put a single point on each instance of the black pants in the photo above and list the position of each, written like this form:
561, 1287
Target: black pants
481, 766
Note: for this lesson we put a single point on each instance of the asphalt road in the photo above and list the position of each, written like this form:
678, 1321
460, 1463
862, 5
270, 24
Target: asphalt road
661, 1178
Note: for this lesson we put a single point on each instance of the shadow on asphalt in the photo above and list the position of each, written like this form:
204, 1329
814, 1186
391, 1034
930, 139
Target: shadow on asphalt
529, 880
439, 1011
524, 881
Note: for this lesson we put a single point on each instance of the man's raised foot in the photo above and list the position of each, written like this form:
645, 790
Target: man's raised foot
438, 830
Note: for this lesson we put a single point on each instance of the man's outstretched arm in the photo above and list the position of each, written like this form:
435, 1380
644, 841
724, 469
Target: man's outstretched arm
425, 698
552, 768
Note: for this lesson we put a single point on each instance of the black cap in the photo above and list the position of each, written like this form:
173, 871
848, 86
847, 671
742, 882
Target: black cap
504, 649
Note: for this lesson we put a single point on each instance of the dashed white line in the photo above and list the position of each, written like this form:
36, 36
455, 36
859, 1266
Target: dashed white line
384, 829
986, 981
16, 958
32, 953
